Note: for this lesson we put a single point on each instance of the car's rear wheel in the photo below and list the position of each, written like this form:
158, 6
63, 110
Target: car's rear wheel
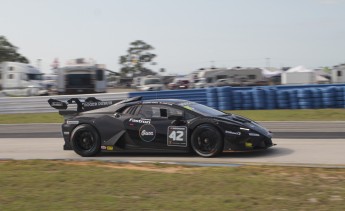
207, 141
85, 141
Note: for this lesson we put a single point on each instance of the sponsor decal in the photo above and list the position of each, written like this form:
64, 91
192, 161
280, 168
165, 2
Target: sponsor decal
147, 133
95, 104
57, 104
233, 133
72, 122
242, 128
66, 133
177, 136
141, 121
103, 147
248, 145
110, 148
188, 107
254, 134
185, 103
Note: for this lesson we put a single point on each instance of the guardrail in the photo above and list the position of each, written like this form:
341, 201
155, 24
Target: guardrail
40, 104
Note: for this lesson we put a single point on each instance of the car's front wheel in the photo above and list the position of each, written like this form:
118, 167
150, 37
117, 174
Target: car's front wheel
207, 141
85, 141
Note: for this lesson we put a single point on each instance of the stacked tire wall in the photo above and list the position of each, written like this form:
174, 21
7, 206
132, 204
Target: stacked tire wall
258, 98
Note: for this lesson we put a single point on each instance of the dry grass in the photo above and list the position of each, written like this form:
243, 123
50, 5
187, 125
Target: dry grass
69, 185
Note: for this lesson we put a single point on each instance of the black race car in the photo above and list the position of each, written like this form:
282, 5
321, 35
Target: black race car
164, 125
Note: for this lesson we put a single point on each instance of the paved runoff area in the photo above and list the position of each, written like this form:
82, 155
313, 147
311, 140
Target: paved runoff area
309, 152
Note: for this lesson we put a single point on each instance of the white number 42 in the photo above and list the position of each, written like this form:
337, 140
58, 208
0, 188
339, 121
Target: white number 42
176, 135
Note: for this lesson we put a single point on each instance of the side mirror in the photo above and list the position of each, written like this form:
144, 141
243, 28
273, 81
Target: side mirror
117, 115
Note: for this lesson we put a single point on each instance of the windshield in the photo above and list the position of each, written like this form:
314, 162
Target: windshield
152, 81
202, 109
34, 77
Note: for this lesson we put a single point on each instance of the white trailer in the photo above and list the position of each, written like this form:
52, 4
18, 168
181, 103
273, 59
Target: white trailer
19, 79
81, 77
338, 74
299, 75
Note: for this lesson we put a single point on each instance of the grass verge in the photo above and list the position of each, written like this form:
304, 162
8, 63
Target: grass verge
257, 115
293, 115
70, 185
30, 118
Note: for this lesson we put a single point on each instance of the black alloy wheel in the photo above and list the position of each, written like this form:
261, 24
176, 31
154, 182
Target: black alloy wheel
207, 141
85, 141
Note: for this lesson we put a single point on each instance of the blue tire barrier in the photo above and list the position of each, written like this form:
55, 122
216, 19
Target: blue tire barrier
268, 97
224, 89
316, 93
225, 104
225, 98
304, 93
259, 98
212, 98
211, 90
224, 94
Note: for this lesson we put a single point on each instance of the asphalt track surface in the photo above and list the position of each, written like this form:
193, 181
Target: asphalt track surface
287, 130
44, 141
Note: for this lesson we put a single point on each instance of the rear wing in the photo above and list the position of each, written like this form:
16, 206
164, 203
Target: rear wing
77, 105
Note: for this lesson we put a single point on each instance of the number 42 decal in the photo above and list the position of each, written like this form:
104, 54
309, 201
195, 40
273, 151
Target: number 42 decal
177, 136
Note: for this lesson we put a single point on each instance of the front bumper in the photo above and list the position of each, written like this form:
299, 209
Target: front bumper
247, 143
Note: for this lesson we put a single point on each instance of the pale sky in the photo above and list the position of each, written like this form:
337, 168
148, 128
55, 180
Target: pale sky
186, 34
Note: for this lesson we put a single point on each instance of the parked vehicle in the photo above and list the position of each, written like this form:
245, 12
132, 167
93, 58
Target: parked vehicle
19, 79
81, 77
179, 84
237, 76
150, 83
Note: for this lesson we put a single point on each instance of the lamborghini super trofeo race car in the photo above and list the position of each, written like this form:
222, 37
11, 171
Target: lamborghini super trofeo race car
164, 125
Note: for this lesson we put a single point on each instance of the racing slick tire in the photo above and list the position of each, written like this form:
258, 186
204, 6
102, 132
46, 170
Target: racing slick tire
207, 141
85, 141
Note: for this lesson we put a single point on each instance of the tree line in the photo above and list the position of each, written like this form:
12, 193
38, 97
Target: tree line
134, 63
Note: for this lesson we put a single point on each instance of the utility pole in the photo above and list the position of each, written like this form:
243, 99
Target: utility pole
267, 62
212, 64
39, 64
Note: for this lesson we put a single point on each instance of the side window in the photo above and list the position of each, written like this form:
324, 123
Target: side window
174, 111
145, 111
10, 76
158, 111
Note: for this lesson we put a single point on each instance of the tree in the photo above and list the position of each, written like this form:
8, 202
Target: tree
8, 52
137, 56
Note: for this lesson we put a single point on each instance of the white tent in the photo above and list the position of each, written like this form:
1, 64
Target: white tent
299, 69
269, 73
302, 75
